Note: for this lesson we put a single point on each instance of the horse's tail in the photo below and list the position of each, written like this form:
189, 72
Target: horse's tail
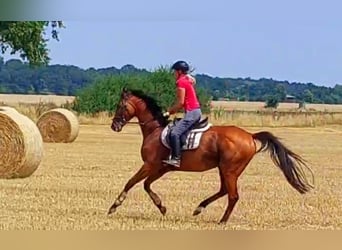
286, 160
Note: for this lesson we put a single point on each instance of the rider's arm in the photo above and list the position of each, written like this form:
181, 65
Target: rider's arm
180, 101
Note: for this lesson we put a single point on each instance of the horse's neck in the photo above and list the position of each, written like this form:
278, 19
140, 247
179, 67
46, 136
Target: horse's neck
146, 121
143, 114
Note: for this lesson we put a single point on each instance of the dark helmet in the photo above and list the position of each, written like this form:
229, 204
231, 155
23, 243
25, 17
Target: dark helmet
181, 65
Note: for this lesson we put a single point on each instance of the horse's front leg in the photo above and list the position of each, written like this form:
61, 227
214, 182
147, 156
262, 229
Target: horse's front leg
142, 173
147, 186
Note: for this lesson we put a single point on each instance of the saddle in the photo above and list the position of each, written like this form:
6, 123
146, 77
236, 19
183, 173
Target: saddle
189, 140
202, 123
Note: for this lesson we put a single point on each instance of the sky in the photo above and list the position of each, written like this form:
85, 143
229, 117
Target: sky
294, 40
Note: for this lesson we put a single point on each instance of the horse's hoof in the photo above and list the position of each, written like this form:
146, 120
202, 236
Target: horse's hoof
111, 210
162, 210
222, 223
197, 211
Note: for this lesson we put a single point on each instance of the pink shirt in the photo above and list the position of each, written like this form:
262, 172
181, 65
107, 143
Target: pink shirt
190, 102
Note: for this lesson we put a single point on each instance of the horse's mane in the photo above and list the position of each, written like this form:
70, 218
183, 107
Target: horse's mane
152, 105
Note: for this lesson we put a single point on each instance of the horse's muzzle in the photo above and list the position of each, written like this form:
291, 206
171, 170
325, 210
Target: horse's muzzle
116, 126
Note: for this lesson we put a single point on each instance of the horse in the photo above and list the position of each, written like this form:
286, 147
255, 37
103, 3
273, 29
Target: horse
206, 146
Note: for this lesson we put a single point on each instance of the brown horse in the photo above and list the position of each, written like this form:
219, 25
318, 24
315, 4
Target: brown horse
227, 147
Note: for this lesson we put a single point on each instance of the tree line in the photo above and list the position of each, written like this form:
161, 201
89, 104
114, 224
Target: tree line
17, 76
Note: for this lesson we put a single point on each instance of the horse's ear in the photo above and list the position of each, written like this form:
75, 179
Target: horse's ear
125, 92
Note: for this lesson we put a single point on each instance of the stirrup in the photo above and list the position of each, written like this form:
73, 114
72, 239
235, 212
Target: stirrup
172, 162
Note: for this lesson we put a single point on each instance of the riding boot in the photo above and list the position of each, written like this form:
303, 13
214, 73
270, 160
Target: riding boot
176, 147
175, 151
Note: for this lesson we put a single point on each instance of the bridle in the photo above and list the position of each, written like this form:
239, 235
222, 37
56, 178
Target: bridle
122, 120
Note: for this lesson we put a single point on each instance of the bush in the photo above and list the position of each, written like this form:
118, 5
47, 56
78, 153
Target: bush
104, 93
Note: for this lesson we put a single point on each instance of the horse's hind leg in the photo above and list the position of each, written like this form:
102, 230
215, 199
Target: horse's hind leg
230, 179
212, 198
231, 173
147, 186
231, 170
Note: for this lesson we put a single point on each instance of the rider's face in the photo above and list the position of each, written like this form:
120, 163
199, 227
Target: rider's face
176, 73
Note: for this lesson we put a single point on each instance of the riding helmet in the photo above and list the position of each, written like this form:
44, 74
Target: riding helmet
181, 65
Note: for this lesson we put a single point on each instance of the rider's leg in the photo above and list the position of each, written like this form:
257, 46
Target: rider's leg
190, 118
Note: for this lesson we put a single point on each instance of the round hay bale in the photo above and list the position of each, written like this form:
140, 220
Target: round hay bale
21, 145
5, 108
58, 125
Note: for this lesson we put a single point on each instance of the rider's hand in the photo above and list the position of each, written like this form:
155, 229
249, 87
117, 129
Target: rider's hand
166, 114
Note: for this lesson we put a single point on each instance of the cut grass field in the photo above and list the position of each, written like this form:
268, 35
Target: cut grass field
76, 184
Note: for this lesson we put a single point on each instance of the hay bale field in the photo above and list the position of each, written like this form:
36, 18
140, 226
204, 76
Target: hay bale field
78, 182
21, 145
58, 125
13, 99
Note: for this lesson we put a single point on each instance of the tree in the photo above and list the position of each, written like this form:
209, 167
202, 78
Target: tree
272, 102
308, 96
281, 92
27, 39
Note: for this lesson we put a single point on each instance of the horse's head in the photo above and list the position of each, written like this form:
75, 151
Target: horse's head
125, 111
135, 103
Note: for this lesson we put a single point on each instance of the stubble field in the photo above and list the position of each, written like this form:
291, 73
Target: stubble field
76, 184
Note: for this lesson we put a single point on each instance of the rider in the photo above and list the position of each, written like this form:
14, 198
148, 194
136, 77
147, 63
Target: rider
186, 99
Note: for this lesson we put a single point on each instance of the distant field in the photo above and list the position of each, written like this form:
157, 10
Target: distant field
282, 106
223, 112
12, 99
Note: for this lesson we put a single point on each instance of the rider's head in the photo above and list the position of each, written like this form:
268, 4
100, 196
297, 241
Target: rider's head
180, 68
